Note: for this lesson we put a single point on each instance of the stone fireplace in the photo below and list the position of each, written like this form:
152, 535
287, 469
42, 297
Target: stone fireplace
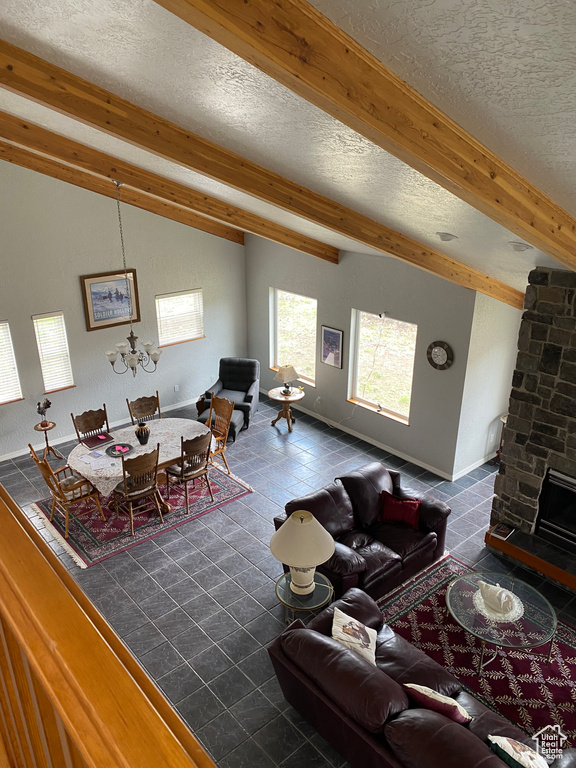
539, 439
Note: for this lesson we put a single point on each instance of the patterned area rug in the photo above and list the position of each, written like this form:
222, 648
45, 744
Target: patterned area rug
90, 540
518, 684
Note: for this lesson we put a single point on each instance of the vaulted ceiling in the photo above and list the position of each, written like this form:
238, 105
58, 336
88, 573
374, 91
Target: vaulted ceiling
371, 128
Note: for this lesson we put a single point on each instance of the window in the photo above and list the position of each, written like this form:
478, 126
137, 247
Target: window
9, 381
180, 317
53, 351
294, 327
383, 363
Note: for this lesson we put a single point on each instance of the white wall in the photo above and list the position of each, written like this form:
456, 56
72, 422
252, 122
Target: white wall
441, 310
50, 234
491, 361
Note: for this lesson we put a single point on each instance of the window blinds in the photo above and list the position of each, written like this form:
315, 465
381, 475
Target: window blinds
53, 351
180, 316
9, 382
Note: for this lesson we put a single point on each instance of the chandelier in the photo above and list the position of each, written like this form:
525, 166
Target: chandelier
130, 356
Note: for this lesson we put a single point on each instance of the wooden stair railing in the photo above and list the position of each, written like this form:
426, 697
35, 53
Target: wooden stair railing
71, 694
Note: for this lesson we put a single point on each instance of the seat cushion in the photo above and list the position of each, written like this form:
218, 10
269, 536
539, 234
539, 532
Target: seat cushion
330, 506
379, 558
485, 722
119, 489
364, 692
402, 539
419, 737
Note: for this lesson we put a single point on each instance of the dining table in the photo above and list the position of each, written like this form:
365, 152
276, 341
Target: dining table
105, 472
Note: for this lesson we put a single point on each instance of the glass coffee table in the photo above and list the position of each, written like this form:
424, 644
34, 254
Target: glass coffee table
321, 596
536, 626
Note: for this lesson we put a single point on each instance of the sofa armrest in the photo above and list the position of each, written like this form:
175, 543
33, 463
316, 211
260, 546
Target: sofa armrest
253, 392
345, 561
279, 520
214, 389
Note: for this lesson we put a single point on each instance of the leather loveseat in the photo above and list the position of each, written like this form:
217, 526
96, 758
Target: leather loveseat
363, 711
370, 553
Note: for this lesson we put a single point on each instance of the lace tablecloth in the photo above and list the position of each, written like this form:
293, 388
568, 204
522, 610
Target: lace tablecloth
167, 432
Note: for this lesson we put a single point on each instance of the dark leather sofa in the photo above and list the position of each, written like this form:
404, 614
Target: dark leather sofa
375, 556
364, 712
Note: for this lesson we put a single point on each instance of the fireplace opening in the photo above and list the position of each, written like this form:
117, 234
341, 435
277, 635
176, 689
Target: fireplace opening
556, 520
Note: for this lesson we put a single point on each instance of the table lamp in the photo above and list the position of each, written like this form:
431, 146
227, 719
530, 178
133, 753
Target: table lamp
302, 544
286, 374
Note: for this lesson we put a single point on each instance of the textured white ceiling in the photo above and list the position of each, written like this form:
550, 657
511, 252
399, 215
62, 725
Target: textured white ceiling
451, 53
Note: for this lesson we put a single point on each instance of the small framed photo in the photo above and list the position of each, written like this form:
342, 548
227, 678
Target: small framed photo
332, 346
110, 299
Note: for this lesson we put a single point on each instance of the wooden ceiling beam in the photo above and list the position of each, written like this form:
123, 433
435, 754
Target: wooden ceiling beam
49, 167
60, 148
295, 44
29, 76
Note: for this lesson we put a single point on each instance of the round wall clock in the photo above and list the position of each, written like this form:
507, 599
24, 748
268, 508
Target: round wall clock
440, 355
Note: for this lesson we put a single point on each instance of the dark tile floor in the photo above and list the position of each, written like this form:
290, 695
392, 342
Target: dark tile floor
197, 606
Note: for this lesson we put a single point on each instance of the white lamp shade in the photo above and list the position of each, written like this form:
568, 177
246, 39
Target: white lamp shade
155, 355
122, 347
147, 346
112, 356
286, 373
132, 360
301, 541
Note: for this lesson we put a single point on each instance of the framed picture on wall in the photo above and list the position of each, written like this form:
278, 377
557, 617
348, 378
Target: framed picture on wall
332, 346
110, 299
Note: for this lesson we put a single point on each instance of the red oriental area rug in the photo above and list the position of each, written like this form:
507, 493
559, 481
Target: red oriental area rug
90, 540
520, 685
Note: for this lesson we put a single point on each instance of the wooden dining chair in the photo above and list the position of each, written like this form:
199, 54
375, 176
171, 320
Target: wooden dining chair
144, 408
221, 411
193, 464
91, 423
139, 482
67, 489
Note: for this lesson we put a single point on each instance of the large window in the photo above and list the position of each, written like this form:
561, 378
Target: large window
9, 381
53, 351
383, 363
294, 329
180, 317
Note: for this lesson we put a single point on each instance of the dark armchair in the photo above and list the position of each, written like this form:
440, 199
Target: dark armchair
238, 381
370, 553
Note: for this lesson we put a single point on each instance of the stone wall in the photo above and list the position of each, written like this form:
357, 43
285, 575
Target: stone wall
541, 427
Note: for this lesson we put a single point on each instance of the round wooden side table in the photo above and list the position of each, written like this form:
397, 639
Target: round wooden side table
286, 400
49, 448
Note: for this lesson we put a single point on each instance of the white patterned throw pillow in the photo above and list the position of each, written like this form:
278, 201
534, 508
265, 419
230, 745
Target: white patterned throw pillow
354, 635
516, 754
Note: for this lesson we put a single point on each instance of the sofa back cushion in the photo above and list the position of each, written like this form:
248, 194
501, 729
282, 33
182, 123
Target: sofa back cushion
362, 691
364, 487
331, 506
419, 737
405, 663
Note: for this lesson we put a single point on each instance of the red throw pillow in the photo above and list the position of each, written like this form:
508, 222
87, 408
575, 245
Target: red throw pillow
395, 510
